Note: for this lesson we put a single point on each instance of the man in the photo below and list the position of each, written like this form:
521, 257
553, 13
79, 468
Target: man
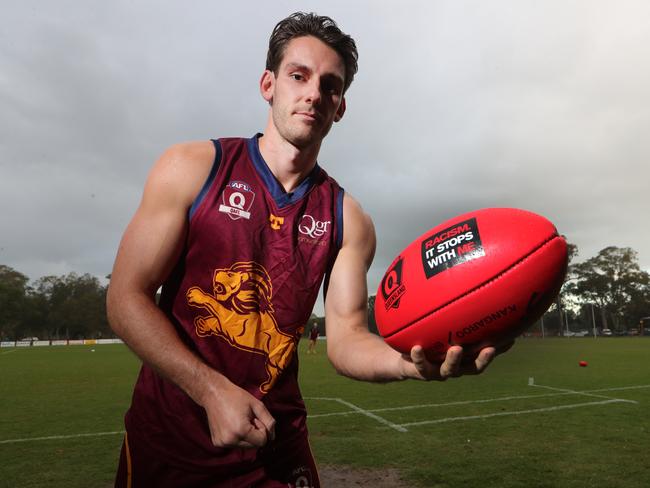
313, 337
240, 233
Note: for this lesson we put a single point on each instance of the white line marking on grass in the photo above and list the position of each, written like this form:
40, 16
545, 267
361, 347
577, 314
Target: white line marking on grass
448, 404
373, 416
531, 382
7, 352
560, 392
620, 388
503, 414
584, 393
360, 410
59, 437
468, 402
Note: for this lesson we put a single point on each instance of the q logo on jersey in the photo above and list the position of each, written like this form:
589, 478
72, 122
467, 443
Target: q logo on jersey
392, 287
312, 227
237, 200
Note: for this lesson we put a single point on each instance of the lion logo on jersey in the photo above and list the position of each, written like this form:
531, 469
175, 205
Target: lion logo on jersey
241, 312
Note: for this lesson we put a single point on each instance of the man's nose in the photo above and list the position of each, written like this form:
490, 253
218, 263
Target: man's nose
314, 93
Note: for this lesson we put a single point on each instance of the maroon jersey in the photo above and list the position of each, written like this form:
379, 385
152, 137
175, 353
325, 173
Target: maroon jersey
239, 297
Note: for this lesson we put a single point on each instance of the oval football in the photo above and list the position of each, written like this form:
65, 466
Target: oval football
475, 280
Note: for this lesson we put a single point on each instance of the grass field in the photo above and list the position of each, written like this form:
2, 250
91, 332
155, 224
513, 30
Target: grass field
534, 419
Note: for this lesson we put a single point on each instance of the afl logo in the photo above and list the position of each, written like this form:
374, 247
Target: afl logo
237, 199
312, 227
392, 287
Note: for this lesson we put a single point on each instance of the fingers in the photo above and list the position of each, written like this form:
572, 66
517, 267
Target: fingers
428, 370
257, 436
238, 420
451, 366
261, 429
264, 420
423, 367
484, 358
253, 434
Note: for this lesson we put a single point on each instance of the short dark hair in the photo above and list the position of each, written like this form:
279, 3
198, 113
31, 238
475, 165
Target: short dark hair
300, 24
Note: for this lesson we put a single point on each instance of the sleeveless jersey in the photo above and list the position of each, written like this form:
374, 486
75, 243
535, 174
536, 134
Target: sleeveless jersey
239, 297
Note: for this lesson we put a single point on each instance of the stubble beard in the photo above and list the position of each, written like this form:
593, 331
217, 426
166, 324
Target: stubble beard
297, 133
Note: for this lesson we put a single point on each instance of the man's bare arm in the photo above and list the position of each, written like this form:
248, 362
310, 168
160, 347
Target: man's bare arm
352, 349
149, 249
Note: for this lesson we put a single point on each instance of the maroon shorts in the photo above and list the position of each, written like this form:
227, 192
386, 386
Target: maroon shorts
140, 468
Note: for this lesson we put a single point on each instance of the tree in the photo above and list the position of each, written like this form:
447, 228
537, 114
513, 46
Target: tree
13, 290
69, 306
613, 281
638, 307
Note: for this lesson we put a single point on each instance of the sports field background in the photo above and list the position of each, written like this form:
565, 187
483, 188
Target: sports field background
534, 419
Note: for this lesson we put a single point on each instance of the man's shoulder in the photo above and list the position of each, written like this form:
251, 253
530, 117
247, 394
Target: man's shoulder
353, 211
182, 169
186, 159
191, 151
358, 229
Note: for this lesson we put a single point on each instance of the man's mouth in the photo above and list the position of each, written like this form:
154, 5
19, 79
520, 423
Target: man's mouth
308, 115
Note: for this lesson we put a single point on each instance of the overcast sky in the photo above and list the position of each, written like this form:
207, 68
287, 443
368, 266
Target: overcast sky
457, 105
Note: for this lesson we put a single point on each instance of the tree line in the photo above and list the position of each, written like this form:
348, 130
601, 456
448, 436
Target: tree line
52, 307
609, 290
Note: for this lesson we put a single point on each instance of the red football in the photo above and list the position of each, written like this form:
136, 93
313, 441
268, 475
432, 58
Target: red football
476, 280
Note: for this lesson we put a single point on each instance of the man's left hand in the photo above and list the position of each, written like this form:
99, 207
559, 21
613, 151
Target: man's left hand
417, 365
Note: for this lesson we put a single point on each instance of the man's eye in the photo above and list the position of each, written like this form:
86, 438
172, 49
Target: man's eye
332, 89
297, 76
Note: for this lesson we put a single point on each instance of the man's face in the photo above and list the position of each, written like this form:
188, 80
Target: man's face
306, 95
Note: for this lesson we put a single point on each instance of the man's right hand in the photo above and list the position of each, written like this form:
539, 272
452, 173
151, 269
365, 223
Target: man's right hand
237, 418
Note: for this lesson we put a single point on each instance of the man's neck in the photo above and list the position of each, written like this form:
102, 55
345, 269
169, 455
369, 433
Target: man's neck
290, 165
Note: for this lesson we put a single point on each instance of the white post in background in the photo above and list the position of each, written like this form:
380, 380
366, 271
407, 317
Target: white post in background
566, 319
593, 320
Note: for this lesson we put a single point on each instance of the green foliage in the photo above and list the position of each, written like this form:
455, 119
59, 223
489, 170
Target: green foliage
53, 307
13, 289
614, 282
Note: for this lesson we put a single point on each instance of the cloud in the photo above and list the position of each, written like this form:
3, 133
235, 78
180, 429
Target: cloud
457, 106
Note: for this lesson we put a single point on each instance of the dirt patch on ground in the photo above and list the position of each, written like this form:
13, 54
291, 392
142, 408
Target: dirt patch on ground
344, 477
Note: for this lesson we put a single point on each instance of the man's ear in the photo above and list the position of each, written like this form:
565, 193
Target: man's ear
339, 113
267, 85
